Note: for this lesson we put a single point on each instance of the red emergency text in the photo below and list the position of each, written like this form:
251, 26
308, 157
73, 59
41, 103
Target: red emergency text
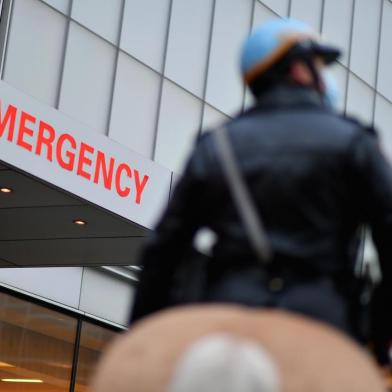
84, 160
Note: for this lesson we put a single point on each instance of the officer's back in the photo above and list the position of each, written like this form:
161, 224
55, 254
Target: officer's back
314, 176
297, 157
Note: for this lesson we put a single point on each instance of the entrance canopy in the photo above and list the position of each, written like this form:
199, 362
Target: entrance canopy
76, 197
44, 226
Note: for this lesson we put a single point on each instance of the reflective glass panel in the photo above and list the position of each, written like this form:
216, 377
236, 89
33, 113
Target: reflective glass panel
61, 5
384, 77
135, 102
213, 118
143, 33
188, 44
360, 99
366, 26
179, 121
34, 50
36, 347
262, 15
336, 26
232, 22
308, 11
279, 6
93, 341
88, 78
382, 121
101, 16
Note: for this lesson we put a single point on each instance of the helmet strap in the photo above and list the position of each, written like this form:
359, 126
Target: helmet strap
317, 81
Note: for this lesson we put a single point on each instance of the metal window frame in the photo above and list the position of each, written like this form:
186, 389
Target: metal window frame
79, 318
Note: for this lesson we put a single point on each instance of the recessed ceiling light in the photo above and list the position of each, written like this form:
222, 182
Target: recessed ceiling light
80, 222
5, 190
30, 380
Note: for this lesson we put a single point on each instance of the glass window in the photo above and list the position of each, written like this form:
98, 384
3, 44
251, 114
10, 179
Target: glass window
384, 82
188, 44
61, 5
87, 79
360, 99
93, 341
281, 7
100, 16
179, 121
307, 10
232, 23
262, 14
135, 104
144, 30
213, 118
366, 28
36, 347
35, 50
382, 121
336, 26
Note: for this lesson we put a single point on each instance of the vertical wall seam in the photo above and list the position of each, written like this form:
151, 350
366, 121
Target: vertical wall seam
349, 53
252, 16
252, 20
322, 17
9, 17
290, 8
160, 93
114, 76
81, 287
207, 68
64, 55
378, 56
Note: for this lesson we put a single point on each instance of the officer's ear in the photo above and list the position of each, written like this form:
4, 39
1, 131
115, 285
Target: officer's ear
300, 73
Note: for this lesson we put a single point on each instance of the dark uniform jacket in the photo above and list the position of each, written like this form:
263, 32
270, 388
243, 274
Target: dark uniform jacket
315, 177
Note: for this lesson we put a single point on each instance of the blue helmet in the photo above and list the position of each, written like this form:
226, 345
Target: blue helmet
276, 40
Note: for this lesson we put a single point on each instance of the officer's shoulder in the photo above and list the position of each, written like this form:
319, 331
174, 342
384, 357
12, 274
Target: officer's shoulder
203, 151
203, 138
206, 136
356, 124
204, 146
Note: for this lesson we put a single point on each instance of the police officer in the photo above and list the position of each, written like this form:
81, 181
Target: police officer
315, 177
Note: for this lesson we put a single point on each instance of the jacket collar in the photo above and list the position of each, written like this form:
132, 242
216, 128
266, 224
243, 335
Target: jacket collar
286, 95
